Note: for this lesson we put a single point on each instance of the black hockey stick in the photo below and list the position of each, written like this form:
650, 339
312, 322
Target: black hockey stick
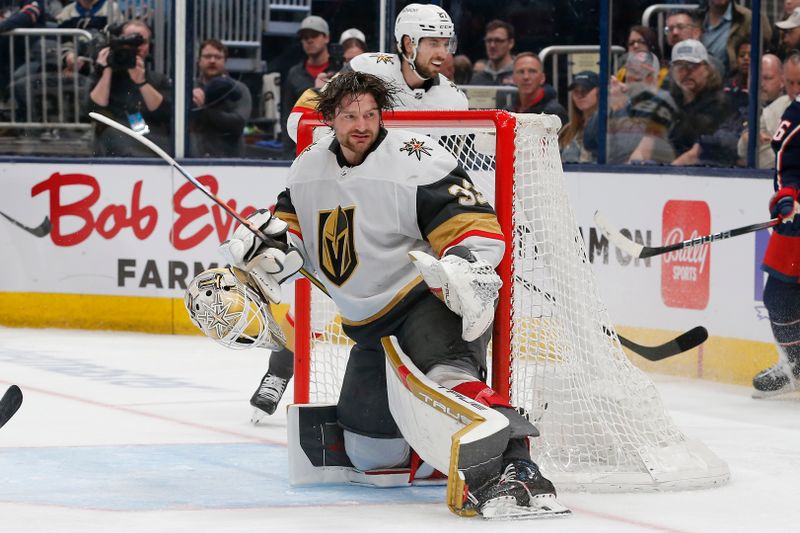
269, 241
9, 404
39, 231
638, 250
682, 343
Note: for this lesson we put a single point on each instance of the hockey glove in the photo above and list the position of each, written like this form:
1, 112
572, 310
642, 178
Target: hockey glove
783, 204
267, 266
468, 286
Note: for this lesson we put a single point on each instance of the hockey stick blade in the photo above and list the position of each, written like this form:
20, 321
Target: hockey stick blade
9, 404
39, 231
682, 343
269, 241
638, 250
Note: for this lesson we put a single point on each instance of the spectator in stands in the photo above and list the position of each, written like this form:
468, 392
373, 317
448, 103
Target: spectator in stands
136, 97
499, 40
726, 22
478, 66
702, 106
640, 118
773, 83
30, 14
790, 33
314, 36
533, 94
221, 106
642, 39
737, 79
95, 16
789, 6
353, 43
582, 106
682, 25
462, 70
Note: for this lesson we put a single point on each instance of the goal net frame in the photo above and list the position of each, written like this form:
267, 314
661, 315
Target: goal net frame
523, 150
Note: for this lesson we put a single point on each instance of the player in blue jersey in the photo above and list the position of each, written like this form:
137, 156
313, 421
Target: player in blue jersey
782, 261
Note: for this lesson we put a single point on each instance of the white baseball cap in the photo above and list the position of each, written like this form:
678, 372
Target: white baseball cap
791, 22
691, 51
353, 33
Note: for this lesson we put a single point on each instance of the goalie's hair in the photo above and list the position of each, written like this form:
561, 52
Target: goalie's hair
346, 86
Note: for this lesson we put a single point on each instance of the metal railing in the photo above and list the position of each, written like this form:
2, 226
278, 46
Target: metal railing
570, 50
45, 98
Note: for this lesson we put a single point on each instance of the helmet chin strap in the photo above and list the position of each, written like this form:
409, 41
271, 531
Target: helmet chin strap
412, 64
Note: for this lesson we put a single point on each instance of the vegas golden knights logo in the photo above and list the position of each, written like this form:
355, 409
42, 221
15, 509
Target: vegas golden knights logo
337, 250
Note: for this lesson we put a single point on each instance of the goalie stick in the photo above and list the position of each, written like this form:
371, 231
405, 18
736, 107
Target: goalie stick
641, 251
214, 198
9, 404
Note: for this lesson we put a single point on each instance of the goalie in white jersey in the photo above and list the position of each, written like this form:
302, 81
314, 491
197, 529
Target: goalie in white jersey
424, 36
360, 204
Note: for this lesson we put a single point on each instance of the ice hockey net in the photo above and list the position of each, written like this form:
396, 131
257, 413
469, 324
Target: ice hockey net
554, 350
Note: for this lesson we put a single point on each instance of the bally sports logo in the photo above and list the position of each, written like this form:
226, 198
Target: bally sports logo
685, 273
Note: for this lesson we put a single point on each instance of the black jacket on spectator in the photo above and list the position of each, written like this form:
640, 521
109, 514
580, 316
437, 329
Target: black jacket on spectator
216, 129
30, 15
702, 116
547, 104
124, 100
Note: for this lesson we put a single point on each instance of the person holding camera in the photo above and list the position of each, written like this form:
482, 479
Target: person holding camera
221, 106
130, 94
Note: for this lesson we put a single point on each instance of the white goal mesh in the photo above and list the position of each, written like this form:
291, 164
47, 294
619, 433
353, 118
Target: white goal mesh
603, 426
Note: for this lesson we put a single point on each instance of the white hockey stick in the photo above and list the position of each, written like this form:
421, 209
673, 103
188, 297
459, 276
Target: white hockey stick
269, 241
641, 251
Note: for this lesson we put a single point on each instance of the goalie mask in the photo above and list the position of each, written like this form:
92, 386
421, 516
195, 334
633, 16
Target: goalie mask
224, 304
419, 21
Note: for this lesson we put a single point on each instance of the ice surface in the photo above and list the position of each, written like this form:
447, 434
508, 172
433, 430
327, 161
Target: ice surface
126, 432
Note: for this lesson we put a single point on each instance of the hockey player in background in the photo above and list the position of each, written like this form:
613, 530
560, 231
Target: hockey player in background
424, 36
782, 261
360, 203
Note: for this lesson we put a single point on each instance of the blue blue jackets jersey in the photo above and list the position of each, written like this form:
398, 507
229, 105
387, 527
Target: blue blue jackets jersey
782, 258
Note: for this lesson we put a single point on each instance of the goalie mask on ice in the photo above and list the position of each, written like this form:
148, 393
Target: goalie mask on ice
224, 304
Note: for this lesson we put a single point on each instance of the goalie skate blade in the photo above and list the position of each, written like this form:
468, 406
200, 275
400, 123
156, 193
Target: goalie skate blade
506, 508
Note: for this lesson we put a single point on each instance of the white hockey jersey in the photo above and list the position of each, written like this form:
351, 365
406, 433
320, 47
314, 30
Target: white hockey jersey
357, 224
437, 94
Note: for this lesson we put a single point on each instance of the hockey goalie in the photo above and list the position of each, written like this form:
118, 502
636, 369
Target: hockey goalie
406, 247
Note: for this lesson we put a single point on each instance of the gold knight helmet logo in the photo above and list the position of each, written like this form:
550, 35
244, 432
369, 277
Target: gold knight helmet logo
336, 248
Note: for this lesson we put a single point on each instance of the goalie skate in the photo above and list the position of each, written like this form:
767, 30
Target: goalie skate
520, 493
266, 398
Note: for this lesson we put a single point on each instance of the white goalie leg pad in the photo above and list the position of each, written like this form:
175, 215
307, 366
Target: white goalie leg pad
451, 432
469, 289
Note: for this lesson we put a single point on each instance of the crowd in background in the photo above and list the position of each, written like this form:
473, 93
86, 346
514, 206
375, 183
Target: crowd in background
681, 99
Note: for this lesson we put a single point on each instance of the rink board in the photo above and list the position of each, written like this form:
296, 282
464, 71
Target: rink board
127, 238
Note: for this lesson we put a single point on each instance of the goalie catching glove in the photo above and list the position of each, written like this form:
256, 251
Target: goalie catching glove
268, 266
467, 284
